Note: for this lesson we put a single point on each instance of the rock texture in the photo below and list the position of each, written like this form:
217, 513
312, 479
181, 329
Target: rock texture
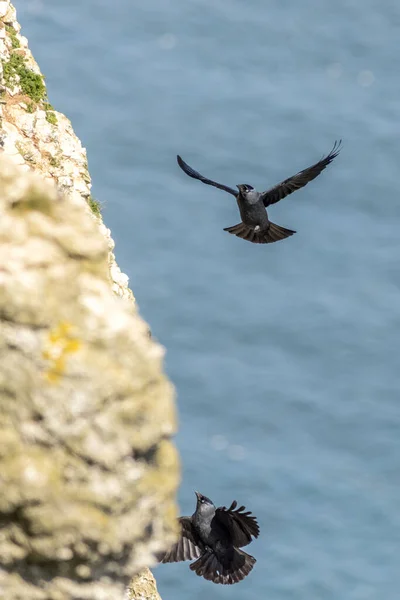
143, 587
88, 473
39, 138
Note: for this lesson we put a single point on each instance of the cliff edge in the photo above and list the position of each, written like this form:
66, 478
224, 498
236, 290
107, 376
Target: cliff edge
88, 472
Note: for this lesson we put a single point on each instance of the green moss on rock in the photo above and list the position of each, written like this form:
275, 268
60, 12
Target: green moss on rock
13, 36
32, 84
94, 205
51, 117
54, 161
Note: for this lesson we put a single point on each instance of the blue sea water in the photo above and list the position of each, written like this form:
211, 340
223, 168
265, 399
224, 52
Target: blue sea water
285, 357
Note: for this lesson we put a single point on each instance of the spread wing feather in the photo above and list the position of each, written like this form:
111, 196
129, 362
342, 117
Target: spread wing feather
192, 173
290, 185
188, 547
241, 525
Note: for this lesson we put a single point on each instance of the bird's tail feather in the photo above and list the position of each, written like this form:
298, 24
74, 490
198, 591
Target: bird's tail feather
241, 230
274, 233
227, 569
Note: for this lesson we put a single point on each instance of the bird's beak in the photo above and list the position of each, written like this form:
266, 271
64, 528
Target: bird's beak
198, 495
239, 187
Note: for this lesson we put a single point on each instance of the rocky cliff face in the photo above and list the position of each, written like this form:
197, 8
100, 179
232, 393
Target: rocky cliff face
37, 137
88, 473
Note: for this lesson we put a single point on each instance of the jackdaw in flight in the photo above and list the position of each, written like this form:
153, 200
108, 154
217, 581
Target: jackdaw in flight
256, 226
213, 537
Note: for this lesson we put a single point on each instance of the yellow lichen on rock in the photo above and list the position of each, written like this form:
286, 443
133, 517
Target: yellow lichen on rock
61, 342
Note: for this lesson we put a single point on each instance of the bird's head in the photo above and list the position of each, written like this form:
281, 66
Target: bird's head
245, 188
204, 504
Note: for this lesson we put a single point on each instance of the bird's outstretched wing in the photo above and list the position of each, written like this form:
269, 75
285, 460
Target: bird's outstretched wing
299, 180
192, 173
241, 525
188, 547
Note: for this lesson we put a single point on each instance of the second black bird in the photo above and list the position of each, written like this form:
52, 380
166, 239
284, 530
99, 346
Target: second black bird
213, 536
256, 226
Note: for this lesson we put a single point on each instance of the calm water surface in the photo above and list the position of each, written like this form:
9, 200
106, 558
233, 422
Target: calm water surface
285, 357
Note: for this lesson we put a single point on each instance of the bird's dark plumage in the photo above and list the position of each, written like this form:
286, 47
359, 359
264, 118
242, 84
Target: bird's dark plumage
242, 525
256, 226
192, 173
214, 536
189, 545
274, 233
294, 183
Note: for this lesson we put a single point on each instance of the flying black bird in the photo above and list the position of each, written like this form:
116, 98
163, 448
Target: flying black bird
213, 536
256, 226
